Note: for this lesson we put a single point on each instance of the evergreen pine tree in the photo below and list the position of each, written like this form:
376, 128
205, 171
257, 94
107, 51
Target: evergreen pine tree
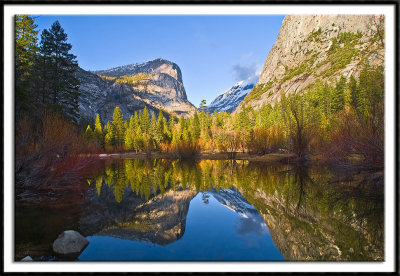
203, 106
135, 124
98, 133
129, 134
25, 54
44, 64
175, 137
153, 131
88, 134
118, 126
145, 121
338, 98
196, 126
170, 128
355, 95
159, 135
181, 128
109, 137
59, 85
138, 140
126, 124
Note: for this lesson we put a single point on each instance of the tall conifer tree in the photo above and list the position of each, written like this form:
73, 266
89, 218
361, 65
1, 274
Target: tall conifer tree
196, 126
109, 137
59, 86
145, 121
97, 127
25, 50
118, 126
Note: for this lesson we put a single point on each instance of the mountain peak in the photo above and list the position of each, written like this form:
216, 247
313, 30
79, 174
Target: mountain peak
158, 65
229, 99
156, 84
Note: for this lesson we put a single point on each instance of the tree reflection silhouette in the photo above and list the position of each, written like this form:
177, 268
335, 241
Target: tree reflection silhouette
332, 209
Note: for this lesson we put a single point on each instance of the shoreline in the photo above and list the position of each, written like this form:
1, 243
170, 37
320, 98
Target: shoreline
270, 157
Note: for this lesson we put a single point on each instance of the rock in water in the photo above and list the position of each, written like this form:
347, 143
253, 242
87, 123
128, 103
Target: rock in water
27, 259
69, 242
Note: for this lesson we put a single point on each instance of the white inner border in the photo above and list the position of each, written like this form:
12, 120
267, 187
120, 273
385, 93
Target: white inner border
387, 266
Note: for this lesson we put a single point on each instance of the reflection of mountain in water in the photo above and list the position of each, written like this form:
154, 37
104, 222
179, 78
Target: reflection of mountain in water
251, 221
160, 220
314, 221
311, 214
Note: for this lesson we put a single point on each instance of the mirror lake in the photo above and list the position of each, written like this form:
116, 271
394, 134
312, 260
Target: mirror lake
213, 210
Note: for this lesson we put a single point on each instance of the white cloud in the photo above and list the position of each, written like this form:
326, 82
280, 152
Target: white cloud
242, 72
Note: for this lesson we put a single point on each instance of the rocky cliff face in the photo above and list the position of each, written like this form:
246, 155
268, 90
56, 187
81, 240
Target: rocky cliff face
160, 220
315, 47
101, 96
232, 97
301, 232
156, 84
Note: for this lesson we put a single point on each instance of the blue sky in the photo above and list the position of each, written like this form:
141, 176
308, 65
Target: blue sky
213, 52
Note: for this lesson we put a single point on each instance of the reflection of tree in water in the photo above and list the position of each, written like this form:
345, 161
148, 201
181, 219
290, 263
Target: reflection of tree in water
346, 212
150, 177
342, 220
205, 197
298, 183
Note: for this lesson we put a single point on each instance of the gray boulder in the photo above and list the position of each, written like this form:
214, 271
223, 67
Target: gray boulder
69, 242
27, 259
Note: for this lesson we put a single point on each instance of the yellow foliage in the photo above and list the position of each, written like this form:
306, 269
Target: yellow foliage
135, 79
107, 78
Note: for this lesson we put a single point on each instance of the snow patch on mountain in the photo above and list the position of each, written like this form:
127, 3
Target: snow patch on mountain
228, 100
234, 201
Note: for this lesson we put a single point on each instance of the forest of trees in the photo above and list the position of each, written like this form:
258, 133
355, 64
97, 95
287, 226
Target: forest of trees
47, 137
331, 120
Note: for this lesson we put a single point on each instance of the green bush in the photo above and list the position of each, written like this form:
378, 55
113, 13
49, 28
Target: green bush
315, 36
341, 52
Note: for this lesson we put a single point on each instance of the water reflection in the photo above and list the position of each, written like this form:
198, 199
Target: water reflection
210, 235
251, 221
217, 210
310, 213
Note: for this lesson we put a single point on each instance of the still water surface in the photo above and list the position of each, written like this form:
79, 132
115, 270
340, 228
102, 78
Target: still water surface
213, 232
135, 210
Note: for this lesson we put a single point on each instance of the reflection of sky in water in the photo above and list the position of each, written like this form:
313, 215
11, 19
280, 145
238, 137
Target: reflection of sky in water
252, 225
213, 232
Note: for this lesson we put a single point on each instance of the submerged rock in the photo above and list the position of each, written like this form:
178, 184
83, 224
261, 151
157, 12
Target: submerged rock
69, 242
27, 259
